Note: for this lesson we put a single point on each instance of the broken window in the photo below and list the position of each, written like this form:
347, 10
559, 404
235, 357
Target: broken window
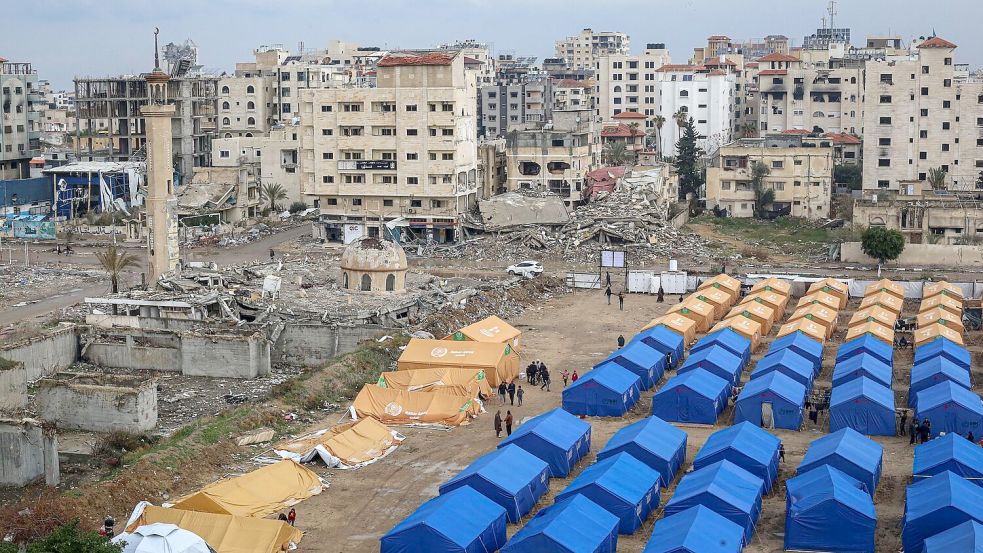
390, 282
366, 283
557, 166
529, 168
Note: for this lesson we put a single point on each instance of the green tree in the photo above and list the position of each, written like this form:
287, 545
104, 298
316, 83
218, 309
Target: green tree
748, 130
273, 194
70, 538
936, 178
114, 261
882, 244
762, 197
615, 153
979, 181
850, 175
688, 156
657, 123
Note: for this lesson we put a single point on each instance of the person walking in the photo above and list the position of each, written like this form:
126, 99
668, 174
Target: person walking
566, 376
545, 375
511, 389
621, 337
609, 278
928, 430
508, 423
518, 394
574, 377
660, 297
621, 300
498, 423
502, 390
781, 453
903, 427
913, 429
608, 294
970, 437
272, 254
531, 373
292, 517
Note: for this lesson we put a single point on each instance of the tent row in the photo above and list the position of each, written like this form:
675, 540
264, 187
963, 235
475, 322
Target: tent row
940, 314
700, 310
775, 395
942, 513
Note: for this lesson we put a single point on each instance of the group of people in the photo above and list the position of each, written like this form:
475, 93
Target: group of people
498, 423
290, 518
567, 377
511, 391
621, 294
537, 373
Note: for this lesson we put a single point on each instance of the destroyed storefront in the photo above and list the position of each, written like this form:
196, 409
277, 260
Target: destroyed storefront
97, 187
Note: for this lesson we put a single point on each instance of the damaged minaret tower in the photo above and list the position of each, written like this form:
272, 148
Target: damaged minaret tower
162, 238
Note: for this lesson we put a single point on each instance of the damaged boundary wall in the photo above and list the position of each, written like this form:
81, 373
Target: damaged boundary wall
28, 452
314, 344
98, 402
31, 359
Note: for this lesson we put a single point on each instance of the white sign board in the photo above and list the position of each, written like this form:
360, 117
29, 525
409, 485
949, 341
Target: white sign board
612, 259
352, 233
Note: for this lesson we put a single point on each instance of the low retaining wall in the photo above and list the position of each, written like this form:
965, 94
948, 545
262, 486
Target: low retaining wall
46, 354
225, 356
920, 255
28, 452
98, 402
13, 388
314, 344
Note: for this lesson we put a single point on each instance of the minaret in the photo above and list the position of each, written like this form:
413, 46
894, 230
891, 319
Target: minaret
162, 236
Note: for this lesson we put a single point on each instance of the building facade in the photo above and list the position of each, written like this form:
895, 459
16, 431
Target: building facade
800, 171
20, 119
629, 83
504, 107
274, 158
405, 149
707, 96
581, 50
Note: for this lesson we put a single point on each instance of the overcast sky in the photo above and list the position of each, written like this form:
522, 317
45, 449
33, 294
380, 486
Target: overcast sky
65, 38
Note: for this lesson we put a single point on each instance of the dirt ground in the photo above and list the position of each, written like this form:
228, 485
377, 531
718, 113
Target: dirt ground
572, 331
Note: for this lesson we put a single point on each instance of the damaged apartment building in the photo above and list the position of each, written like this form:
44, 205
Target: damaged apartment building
109, 122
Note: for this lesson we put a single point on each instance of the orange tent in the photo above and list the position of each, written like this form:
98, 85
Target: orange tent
776, 302
819, 297
944, 288
875, 329
759, 312
811, 329
834, 287
720, 300
931, 332
940, 315
724, 282
493, 330
817, 313
492, 358
352, 444
390, 406
700, 312
677, 323
885, 285
744, 326
772, 284
448, 380
942, 301
885, 300
225, 533
873, 313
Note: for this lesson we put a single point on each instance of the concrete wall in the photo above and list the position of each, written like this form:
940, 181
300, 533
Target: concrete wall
134, 357
225, 356
45, 355
314, 344
920, 254
13, 389
145, 323
28, 452
106, 407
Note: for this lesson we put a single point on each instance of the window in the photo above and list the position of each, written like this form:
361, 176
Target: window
225, 105
948, 61
777, 164
351, 107
334, 201
355, 179
366, 279
433, 156
447, 156
885, 99
351, 131
947, 83
945, 147
413, 180
924, 70
883, 141
225, 90
327, 132
327, 155
410, 107
387, 203
924, 91
328, 179
226, 121
798, 162
887, 78
447, 132
924, 113
447, 106
416, 203
436, 203
251, 105
411, 132
885, 121
412, 156
390, 278
325, 109
224, 154
883, 162
683, 93
883, 184
250, 89
922, 134
946, 104
922, 155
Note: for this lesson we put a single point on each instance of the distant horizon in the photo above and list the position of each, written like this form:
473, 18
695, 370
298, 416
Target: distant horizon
46, 33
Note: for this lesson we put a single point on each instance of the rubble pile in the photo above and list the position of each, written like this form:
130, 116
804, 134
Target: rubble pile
21, 282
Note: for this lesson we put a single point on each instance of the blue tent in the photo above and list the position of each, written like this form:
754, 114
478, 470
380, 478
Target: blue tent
695, 530
859, 365
718, 360
622, 485
652, 441
943, 347
460, 521
556, 437
647, 363
932, 371
863, 405
511, 477
786, 396
664, 341
849, 452
608, 390
966, 537
936, 504
826, 510
801, 344
697, 396
728, 339
866, 344
950, 408
787, 362
572, 526
745, 445
951, 453
724, 488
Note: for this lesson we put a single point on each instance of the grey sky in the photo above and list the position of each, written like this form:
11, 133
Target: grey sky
64, 38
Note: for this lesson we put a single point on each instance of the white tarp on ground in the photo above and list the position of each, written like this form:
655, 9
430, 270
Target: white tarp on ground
639, 282
161, 538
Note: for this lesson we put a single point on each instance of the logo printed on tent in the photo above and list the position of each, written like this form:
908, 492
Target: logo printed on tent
489, 332
459, 336
438, 352
393, 409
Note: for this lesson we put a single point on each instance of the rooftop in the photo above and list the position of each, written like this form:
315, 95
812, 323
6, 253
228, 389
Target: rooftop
775, 56
394, 59
629, 115
936, 42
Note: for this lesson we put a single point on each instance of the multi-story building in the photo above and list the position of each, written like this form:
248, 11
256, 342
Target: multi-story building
405, 149
502, 108
787, 94
582, 50
108, 113
573, 94
20, 126
924, 217
555, 157
629, 83
823, 38
800, 171
244, 106
274, 157
480, 59
919, 115
707, 96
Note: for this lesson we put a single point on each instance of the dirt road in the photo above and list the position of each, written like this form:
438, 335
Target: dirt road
572, 331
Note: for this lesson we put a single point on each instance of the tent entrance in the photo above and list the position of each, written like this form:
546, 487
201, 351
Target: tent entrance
767, 415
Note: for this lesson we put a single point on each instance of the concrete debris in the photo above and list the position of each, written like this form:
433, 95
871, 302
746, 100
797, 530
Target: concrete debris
260, 436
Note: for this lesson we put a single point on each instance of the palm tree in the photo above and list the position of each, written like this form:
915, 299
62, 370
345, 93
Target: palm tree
762, 197
658, 121
681, 117
748, 130
936, 178
615, 153
114, 261
273, 193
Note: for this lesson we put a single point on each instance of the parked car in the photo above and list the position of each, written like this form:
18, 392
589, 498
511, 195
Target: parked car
528, 269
